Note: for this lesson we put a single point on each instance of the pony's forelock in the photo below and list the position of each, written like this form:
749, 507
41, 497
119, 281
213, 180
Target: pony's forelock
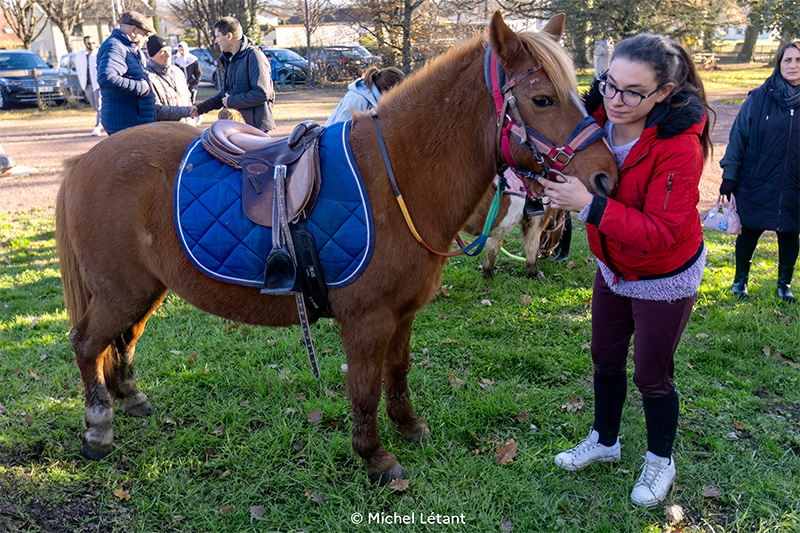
554, 60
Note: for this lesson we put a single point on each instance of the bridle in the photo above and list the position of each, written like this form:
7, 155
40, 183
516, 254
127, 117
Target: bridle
510, 124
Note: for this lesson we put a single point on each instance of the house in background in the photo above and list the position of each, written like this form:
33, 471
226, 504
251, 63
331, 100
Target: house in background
8, 39
289, 31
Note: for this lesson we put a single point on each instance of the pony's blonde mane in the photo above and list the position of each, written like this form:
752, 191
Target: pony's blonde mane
549, 54
554, 60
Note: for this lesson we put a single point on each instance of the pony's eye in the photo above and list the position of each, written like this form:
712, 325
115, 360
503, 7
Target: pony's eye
542, 101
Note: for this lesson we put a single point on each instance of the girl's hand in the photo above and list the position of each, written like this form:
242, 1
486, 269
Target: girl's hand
570, 195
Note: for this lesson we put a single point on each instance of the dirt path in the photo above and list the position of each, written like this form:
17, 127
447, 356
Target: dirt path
46, 141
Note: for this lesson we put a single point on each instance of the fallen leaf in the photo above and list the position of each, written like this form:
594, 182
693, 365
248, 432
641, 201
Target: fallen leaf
227, 509
34, 375
399, 485
486, 303
702, 335
300, 397
507, 526
291, 410
623, 472
28, 419
178, 518
587, 303
329, 393
522, 416
218, 430
767, 350
209, 453
244, 403
43, 357
733, 436
449, 341
225, 474
298, 445
444, 291
207, 370
33, 323
257, 512
454, 381
526, 300
175, 352
426, 362
122, 494
487, 381
506, 454
2, 409
314, 416
192, 359
575, 405
711, 492
673, 513
571, 265
233, 326
485, 292
585, 346
318, 497
344, 368
739, 426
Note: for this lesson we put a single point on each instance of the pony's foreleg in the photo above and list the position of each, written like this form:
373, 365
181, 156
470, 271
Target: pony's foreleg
133, 401
492, 248
365, 343
395, 380
532, 228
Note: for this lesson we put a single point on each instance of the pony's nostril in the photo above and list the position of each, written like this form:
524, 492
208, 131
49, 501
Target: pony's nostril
602, 184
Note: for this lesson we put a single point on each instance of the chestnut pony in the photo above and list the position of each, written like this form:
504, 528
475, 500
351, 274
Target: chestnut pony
120, 254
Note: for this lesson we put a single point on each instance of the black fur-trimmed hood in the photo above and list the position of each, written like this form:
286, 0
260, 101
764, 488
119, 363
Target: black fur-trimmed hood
670, 121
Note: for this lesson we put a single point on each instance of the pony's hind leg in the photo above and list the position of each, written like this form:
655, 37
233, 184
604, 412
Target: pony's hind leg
532, 228
133, 401
492, 248
398, 398
365, 343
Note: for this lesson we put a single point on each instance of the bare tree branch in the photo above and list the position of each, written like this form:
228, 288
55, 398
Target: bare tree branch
22, 18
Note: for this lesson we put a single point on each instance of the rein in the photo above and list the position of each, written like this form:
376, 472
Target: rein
473, 248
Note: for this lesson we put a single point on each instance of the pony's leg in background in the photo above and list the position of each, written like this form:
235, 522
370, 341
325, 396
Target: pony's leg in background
365, 340
395, 380
492, 248
532, 228
133, 401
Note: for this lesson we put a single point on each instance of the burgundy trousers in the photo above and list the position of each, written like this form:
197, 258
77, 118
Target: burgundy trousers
656, 327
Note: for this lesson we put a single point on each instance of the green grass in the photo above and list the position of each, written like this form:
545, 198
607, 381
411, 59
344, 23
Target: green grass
231, 402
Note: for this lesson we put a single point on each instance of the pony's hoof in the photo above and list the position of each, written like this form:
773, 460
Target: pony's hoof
421, 436
387, 476
141, 410
95, 453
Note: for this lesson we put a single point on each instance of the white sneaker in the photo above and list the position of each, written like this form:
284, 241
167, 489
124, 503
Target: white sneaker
658, 473
587, 452
97, 131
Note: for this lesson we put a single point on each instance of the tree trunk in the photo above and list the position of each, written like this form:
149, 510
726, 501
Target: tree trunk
156, 23
750, 39
66, 32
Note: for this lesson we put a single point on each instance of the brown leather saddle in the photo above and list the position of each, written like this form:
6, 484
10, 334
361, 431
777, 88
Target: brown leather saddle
257, 154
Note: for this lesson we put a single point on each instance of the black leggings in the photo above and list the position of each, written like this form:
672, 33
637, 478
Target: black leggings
788, 247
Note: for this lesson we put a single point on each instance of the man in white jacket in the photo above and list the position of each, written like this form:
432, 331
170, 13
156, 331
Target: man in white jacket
86, 66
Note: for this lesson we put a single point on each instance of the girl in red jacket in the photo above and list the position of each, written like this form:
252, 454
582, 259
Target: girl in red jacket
648, 240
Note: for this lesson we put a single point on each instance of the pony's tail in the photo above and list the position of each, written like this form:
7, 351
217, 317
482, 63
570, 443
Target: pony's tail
76, 291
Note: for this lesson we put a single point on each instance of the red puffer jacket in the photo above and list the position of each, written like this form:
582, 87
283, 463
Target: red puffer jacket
650, 228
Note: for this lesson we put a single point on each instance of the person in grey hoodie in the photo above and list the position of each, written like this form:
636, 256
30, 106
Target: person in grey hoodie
364, 93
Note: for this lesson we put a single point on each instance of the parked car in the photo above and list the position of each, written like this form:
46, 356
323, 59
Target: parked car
289, 64
208, 65
342, 62
18, 85
66, 66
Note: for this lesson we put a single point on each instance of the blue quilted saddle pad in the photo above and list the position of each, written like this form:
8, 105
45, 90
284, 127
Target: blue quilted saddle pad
224, 244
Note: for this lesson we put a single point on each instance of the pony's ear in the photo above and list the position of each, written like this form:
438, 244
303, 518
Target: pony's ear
555, 26
504, 41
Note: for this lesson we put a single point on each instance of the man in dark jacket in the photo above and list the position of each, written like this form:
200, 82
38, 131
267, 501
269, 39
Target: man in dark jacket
248, 84
127, 98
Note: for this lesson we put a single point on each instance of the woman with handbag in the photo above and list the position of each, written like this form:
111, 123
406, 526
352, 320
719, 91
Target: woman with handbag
649, 244
762, 168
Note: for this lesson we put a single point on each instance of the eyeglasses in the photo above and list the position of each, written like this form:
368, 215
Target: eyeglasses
629, 98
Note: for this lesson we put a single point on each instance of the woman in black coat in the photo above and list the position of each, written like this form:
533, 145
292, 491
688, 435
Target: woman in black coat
762, 168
